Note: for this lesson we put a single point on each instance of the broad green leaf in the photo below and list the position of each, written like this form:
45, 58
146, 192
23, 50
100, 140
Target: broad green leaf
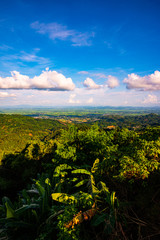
40, 188
81, 171
33, 191
63, 198
74, 180
93, 189
113, 199
21, 210
81, 183
10, 211
61, 170
103, 188
47, 181
86, 195
95, 166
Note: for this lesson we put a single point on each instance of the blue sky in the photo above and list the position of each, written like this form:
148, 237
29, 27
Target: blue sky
74, 53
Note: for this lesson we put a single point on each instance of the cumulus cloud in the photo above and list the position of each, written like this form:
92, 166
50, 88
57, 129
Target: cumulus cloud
61, 32
6, 94
90, 84
151, 99
112, 82
146, 83
50, 80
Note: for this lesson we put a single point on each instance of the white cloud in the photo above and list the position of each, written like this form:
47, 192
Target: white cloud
112, 82
51, 80
82, 39
146, 83
4, 47
79, 96
151, 99
72, 99
6, 94
90, 84
54, 30
90, 100
83, 72
59, 31
26, 57
32, 57
98, 75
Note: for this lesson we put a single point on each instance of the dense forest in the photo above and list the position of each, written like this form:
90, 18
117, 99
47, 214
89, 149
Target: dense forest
17, 130
92, 180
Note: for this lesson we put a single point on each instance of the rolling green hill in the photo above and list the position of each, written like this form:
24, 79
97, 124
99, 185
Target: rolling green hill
17, 130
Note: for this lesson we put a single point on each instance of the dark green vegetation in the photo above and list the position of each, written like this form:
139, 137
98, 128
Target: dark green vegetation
131, 122
81, 181
16, 131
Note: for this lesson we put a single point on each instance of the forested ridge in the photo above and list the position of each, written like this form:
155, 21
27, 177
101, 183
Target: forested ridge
80, 181
135, 121
17, 130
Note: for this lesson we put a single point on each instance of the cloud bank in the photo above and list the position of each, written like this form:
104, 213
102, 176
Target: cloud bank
150, 99
6, 95
146, 83
72, 99
47, 80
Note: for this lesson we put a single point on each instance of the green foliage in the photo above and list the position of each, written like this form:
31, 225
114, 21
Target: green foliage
89, 182
95, 166
132, 157
81, 171
17, 130
10, 213
65, 233
83, 146
60, 170
99, 195
64, 198
30, 212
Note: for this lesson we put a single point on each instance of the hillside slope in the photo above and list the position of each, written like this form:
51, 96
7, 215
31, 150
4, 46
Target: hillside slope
17, 130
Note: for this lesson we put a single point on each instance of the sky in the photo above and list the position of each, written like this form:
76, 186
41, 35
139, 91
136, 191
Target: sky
80, 53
